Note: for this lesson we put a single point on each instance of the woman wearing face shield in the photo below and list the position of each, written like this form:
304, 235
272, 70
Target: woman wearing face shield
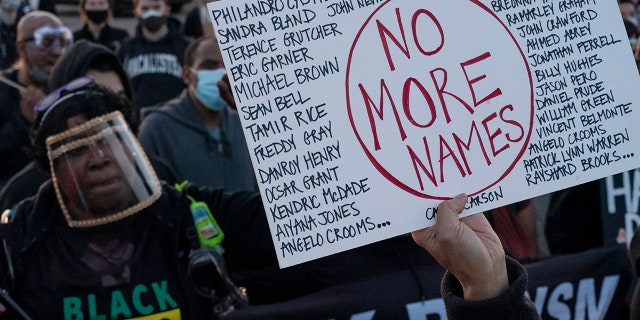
105, 236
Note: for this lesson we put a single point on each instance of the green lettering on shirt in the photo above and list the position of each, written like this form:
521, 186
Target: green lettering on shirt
93, 311
119, 305
137, 302
71, 307
163, 296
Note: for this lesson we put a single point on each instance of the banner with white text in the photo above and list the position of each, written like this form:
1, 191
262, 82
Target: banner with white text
594, 284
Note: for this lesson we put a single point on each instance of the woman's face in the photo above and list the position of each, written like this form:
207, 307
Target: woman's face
91, 178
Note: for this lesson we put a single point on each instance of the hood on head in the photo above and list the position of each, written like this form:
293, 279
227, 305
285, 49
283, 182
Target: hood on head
76, 59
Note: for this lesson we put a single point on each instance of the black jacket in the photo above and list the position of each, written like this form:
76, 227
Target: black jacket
34, 235
14, 130
155, 68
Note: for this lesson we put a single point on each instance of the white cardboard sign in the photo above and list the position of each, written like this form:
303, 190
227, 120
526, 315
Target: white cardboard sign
361, 116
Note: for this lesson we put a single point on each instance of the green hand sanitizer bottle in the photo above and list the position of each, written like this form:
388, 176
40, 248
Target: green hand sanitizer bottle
210, 234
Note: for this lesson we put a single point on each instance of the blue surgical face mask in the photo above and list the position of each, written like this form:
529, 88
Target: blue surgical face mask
207, 90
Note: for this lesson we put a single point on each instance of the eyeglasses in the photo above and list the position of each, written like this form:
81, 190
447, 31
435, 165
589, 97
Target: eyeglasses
48, 38
61, 94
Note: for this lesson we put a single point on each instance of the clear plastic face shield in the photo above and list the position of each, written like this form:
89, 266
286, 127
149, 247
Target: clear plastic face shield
100, 173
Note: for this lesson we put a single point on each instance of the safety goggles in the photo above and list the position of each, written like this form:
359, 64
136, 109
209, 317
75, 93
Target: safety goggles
48, 38
61, 94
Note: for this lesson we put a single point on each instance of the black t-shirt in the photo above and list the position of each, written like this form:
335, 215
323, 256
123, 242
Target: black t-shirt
117, 271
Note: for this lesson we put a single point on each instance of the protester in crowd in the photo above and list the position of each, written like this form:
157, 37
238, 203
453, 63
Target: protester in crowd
96, 15
480, 283
10, 13
153, 57
200, 130
197, 23
516, 227
83, 58
574, 222
104, 227
41, 40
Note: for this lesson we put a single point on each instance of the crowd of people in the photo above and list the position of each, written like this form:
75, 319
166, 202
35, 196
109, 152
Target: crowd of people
99, 127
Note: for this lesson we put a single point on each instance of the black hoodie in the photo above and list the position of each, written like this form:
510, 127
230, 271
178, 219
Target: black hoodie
155, 67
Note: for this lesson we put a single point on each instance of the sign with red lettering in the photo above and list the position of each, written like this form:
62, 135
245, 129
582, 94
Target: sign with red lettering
436, 112
361, 116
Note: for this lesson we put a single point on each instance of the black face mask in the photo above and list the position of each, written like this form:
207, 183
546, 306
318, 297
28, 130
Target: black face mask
153, 23
97, 16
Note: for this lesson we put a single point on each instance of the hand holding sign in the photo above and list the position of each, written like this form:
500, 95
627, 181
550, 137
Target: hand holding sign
468, 248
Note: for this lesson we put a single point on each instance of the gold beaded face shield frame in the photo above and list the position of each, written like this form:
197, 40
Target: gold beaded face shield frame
100, 172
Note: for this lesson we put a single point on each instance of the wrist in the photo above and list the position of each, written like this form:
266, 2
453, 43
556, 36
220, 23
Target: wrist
486, 286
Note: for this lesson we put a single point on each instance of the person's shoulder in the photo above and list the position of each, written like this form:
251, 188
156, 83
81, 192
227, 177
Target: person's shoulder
162, 116
162, 112
11, 74
31, 217
129, 45
22, 185
119, 32
81, 31
176, 32
171, 207
232, 116
114, 37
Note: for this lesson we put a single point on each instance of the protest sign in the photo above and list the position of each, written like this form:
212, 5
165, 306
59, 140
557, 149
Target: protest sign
361, 116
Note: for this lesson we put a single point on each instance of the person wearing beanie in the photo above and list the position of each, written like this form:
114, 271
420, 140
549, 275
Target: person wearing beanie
96, 14
105, 236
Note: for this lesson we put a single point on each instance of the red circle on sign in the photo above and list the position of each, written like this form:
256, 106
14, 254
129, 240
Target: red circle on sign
436, 112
